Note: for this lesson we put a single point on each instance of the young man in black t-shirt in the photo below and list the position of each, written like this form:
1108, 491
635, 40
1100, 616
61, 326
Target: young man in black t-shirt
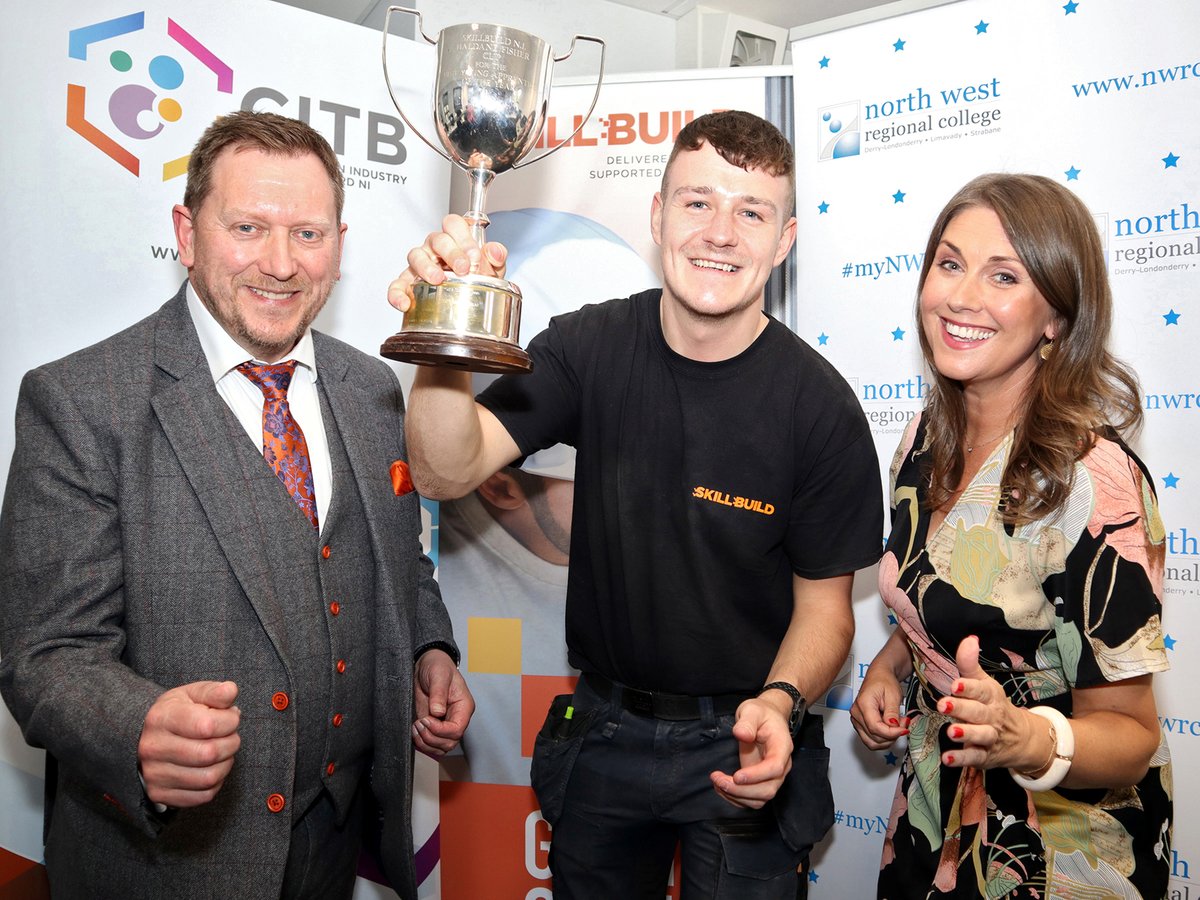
727, 488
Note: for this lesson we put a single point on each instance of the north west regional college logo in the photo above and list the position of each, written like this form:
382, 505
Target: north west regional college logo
117, 111
839, 131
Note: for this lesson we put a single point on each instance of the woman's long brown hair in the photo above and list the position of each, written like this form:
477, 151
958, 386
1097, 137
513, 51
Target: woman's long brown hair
1079, 389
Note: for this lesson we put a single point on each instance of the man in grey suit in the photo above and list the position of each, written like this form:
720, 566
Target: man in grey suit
216, 616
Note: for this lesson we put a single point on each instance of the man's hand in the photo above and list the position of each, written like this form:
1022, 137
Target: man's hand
450, 250
764, 753
188, 743
442, 702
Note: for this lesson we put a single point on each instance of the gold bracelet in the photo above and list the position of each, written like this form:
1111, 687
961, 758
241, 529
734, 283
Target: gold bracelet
1061, 757
1044, 767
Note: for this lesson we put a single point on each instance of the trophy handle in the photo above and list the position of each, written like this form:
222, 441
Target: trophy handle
388, 79
588, 115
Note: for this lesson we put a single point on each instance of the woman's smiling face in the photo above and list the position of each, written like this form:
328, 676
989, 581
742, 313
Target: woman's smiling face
982, 315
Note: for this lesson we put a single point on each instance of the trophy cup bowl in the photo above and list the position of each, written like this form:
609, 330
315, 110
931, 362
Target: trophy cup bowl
491, 91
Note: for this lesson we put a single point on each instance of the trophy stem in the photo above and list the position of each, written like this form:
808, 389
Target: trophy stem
480, 178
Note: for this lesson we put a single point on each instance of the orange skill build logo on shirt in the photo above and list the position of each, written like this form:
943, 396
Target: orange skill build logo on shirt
715, 495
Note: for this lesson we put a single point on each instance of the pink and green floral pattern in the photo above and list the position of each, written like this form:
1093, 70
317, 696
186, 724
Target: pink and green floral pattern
1074, 600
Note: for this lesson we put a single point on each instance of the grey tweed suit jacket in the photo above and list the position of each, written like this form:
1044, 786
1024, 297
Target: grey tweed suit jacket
133, 558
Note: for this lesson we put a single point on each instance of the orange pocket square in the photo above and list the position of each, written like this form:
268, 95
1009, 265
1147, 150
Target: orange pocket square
401, 479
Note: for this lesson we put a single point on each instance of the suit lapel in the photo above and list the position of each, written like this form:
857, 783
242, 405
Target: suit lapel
205, 436
365, 440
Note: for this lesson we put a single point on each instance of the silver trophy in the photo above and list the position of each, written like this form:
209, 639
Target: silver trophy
490, 95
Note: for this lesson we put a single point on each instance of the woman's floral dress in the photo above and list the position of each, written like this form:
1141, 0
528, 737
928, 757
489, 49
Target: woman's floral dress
1070, 601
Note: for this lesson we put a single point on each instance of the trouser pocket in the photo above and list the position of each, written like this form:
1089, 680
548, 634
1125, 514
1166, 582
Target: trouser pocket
804, 804
554, 752
754, 849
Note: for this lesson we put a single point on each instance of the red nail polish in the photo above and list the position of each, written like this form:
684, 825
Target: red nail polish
958, 688
893, 721
949, 708
956, 732
949, 759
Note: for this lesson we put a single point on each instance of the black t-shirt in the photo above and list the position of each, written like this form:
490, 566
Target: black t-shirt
699, 489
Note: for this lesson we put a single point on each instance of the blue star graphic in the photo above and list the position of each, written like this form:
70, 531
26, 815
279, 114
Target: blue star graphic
981, 28
1172, 317
824, 61
1170, 161
1170, 480
898, 197
822, 208
899, 45
898, 334
822, 339
1072, 174
812, 877
891, 758
1169, 642
1070, 7
892, 620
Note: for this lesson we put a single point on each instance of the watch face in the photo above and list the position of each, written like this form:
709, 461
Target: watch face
798, 707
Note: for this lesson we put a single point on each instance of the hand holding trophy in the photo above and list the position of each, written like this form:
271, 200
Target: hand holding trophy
491, 91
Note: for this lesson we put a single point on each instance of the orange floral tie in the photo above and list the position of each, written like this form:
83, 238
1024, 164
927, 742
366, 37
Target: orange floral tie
284, 447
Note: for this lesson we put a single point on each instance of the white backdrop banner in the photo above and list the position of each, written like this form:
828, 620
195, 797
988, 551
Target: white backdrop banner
891, 119
104, 101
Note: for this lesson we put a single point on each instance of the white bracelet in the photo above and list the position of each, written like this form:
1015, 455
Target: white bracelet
1064, 751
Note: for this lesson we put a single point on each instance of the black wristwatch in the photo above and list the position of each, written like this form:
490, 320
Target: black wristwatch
798, 702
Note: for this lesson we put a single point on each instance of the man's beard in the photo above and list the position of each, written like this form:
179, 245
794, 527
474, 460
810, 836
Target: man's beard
230, 317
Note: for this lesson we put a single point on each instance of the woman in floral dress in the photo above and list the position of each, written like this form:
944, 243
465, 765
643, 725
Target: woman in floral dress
1025, 570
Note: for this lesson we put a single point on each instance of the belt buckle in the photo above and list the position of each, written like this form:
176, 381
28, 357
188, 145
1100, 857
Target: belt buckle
640, 703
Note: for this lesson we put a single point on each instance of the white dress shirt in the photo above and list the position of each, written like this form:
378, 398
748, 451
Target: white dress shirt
245, 398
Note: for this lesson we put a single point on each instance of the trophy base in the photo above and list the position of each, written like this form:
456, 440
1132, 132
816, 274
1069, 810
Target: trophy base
467, 322
474, 354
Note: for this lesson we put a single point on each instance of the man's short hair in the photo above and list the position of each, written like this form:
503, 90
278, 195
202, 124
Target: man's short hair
742, 139
264, 131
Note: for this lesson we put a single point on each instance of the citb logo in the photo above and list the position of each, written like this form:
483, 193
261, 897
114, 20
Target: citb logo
116, 110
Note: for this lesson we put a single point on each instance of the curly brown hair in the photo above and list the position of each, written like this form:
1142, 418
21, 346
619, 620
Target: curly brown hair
264, 131
743, 140
1079, 390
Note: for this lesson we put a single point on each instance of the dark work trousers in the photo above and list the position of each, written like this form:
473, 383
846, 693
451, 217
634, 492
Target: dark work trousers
322, 860
639, 786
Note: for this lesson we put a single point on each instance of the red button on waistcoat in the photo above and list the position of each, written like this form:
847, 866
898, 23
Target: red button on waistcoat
337, 720
276, 803
109, 798
329, 769
279, 700
341, 666
325, 551
335, 607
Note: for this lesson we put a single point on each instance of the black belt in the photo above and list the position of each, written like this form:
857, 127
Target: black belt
658, 705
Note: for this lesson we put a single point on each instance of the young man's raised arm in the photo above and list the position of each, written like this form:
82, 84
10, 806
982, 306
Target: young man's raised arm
453, 442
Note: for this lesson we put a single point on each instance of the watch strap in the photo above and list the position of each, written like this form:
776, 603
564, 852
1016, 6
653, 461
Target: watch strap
798, 702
